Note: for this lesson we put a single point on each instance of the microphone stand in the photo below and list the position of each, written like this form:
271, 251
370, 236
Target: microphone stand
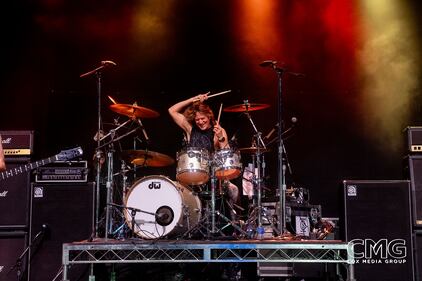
280, 164
98, 154
98, 72
133, 212
18, 264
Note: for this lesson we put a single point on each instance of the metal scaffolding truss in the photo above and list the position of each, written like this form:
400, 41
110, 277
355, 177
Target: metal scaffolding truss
146, 251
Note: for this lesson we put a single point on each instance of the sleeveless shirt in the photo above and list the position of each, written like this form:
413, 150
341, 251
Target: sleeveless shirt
202, 139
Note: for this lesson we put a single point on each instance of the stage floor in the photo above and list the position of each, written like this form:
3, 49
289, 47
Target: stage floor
194, 251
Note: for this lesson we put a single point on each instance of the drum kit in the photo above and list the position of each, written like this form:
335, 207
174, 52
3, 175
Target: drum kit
154, 206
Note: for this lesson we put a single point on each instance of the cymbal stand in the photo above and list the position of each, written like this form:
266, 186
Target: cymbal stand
257, 178
124, 169
109, 186
213, 189
110, 175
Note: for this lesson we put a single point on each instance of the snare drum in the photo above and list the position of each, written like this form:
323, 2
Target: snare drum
192, 166
168, 208
227, 164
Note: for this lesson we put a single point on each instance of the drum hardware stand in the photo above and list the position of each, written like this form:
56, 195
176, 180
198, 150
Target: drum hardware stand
98, 72
211, 212
215, 212
258, 164
109, 186
110, 182
124, 169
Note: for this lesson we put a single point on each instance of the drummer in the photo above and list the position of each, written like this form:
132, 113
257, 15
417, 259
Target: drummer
201, 130
198, 122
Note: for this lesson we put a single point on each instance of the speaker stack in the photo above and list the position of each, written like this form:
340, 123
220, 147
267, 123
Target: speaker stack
414, 172
60, 213
378, 221
14, 205
36, 219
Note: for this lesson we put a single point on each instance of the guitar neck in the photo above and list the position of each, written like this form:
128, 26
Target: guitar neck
26, 168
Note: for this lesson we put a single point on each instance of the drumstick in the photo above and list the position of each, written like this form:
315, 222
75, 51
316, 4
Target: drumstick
216, 94
220, 93
219, 114
112, 100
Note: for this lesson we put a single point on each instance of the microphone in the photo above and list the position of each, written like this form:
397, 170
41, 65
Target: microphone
108, 63
294, 120
44, 227
43, 233
104, 64
164, 215
267, 63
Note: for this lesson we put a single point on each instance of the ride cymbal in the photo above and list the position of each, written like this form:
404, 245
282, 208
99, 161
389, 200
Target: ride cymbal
134, 111
147, 158
253, 149
246, 107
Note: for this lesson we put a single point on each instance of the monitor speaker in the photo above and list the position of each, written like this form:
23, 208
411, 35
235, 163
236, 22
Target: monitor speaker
14, 198
377, 219
60, 213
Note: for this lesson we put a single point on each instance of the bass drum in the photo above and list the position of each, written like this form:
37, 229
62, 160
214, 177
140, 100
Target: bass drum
165, 207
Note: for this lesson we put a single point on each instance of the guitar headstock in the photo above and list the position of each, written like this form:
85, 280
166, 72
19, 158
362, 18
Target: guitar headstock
69, 154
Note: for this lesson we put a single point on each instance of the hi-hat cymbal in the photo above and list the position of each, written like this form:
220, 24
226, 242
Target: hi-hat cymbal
134, 111
147, 158
246, 107
253, 149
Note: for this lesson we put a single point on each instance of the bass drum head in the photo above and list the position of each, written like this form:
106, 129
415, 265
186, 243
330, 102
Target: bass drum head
154, 195
163, 205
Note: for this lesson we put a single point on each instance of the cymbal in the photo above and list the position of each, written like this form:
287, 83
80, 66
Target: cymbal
253, 149
246, 107
134, 110
147, 158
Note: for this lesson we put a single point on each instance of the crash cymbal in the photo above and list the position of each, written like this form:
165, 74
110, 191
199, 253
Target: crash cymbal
134, 110
147, 158
253, 149
246, 107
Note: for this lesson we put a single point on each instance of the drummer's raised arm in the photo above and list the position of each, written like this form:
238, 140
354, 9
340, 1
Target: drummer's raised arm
175, 112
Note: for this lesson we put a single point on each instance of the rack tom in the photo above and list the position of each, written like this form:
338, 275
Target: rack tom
227, 164
193, 166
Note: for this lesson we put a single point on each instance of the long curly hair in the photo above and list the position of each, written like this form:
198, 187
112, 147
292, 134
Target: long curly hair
200, 107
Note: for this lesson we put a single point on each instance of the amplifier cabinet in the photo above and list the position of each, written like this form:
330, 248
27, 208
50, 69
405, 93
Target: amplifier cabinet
17, 143
414, 171
14, 198
62, 213
377, 219
12, 246
417, 252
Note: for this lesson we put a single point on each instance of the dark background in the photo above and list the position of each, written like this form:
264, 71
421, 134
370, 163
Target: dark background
167, 51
